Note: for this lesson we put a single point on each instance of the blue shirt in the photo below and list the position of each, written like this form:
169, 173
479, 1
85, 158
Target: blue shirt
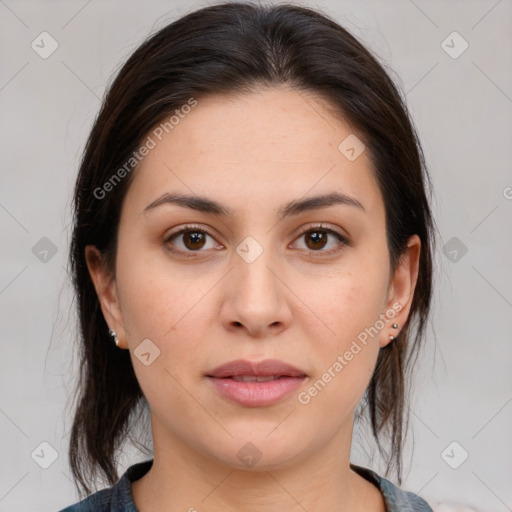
118, 498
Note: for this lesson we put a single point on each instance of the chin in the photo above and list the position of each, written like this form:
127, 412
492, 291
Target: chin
255, 453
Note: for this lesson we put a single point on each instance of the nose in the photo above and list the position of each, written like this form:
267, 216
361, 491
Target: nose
256, 296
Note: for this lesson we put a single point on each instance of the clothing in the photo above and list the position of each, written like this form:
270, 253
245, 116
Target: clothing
118, 498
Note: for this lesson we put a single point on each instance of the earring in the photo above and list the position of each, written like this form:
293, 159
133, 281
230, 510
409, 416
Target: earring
113, 333
395, 326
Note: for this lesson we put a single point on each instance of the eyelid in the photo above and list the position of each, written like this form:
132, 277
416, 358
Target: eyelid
332, 228
190, 227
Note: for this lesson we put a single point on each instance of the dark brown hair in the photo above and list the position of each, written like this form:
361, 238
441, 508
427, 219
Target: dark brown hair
231, 48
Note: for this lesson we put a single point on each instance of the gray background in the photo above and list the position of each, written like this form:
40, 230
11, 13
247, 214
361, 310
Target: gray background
462, 108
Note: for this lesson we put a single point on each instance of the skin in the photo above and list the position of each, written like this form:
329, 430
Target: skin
253, 154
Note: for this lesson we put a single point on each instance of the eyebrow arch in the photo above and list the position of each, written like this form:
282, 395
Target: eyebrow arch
206, 205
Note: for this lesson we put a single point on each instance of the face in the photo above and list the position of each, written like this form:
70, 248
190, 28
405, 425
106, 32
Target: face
309, 287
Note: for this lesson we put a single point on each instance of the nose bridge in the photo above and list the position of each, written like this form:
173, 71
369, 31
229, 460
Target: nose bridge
254, 260
257, 292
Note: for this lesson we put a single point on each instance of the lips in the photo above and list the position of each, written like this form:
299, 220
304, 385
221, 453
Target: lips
268, 368
256, 384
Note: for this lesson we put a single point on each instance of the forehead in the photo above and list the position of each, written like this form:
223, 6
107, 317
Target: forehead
257, 149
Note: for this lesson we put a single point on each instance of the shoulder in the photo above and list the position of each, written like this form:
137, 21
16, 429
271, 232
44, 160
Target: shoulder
117, 498
99, 501
396, 499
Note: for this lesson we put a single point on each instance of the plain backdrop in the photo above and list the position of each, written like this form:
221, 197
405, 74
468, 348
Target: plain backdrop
452, 59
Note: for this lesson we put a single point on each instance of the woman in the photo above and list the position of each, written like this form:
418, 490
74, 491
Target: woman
252, 244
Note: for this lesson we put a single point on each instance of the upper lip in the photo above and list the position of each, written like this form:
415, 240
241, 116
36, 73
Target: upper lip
267, 368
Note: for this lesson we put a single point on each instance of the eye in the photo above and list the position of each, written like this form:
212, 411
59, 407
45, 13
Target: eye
192, 238
317, 238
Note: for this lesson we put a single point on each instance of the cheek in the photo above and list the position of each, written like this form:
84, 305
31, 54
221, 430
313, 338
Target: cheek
156, 297
346, 341
171, 309
156, 305
348, 303
346, 353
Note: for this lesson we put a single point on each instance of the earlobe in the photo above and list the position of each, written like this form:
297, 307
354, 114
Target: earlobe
401, 290
105, 286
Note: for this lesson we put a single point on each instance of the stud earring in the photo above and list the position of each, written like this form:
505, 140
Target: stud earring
113, 333
395, 326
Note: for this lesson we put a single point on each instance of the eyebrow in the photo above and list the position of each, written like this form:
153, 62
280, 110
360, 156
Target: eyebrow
206, 205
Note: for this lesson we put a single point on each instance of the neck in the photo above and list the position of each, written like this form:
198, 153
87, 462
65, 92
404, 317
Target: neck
181, 479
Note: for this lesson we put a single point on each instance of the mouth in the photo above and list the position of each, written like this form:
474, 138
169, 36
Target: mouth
254, 378
256, 384
272, 368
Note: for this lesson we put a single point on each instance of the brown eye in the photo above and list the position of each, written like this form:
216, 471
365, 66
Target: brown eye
320, 237
189, 240
194, 240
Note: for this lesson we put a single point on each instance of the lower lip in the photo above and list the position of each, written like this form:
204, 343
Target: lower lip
257, 394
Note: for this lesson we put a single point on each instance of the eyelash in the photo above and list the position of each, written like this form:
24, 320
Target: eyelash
319, 227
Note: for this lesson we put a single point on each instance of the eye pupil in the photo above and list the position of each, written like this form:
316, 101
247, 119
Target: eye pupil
319, 239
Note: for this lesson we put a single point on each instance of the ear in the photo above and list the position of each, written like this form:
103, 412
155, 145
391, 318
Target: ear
401, 289
105, 285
